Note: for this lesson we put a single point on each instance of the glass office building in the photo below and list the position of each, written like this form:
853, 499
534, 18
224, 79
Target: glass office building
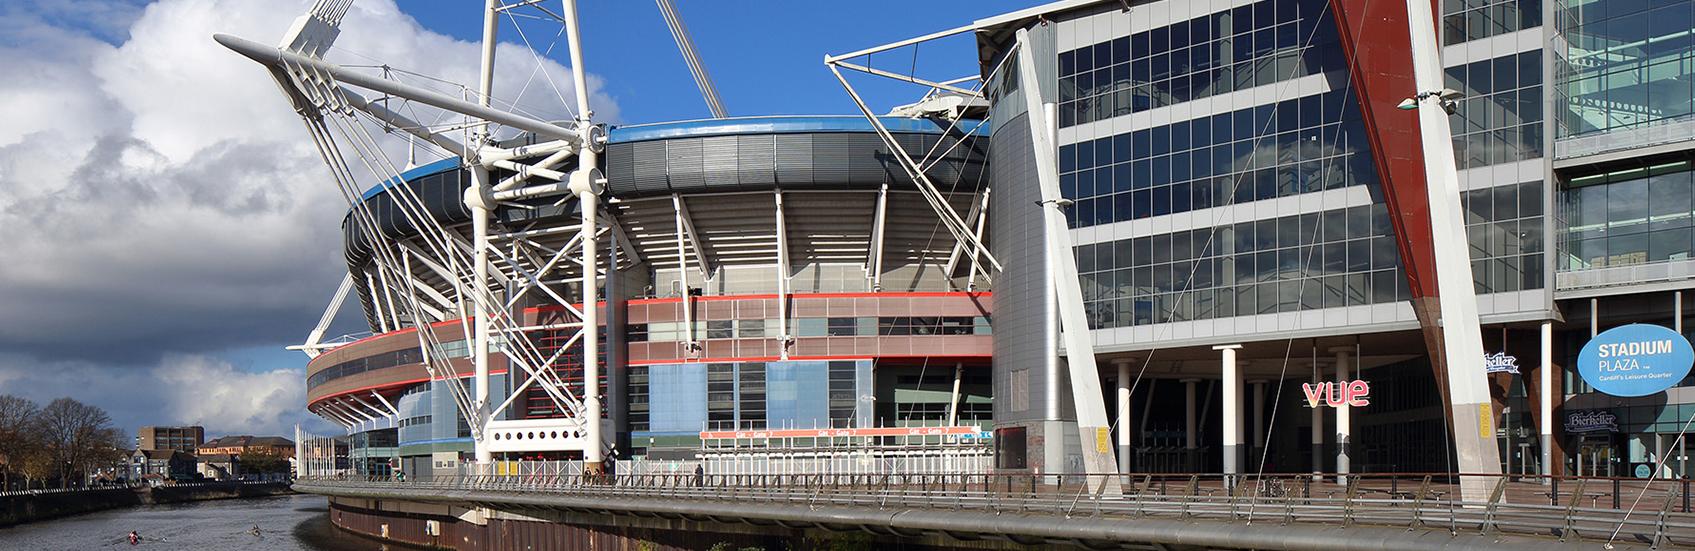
1224, 191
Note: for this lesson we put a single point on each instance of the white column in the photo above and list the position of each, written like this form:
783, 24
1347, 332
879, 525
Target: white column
1344, 425
1232, 407
480, 201
1123, 420
1462, 338
953, 399
1317, 439
587, 182
1190, 438
1546, 378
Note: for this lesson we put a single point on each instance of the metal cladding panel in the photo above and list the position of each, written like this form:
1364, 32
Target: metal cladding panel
756, 161
1375, 38
830, 156
793, 158
619, 162
653, 172
1025, 323
719, 161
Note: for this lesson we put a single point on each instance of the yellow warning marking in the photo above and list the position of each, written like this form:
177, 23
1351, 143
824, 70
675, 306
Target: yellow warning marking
1485, 430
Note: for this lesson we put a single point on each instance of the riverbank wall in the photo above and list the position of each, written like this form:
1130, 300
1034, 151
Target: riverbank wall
24, 508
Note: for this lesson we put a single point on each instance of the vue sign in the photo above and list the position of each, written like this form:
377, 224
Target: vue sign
1337, 394
1635, 360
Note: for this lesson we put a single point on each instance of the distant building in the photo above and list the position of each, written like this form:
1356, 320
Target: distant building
237, 445
222, 466
183, 439
161, 464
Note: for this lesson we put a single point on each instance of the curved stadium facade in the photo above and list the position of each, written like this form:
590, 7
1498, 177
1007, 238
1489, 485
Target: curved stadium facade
883, 309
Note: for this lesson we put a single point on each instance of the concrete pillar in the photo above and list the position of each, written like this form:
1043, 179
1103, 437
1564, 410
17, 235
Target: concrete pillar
1546, 378
1317, 439
1123, 421
1344, 426
1232, 407
1259, 420
1191, 440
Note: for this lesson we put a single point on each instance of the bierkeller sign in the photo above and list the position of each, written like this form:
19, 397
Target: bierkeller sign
1591, 420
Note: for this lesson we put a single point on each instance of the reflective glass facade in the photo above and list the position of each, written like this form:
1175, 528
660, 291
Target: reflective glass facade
1336, 258
1500, 119
1505, 226
1465, 20
1626, 217
1628, 63
1286, 148
1254, 45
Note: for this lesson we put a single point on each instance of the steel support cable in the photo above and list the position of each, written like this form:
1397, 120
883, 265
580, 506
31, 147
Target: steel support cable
920, 180
1236, 182
361, 214
1658, 467
503, 325
685, 44
1300, 297
1306, 264
383, 258
539, 59
363, 140
971, 137
931, 240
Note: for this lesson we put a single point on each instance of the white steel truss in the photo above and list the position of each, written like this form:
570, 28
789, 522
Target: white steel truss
475, 269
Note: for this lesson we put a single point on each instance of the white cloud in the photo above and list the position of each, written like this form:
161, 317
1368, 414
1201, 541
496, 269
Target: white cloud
160, 202
179, 390
159, 195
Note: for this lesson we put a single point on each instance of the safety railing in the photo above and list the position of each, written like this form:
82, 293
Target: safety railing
1657, 512
135, 485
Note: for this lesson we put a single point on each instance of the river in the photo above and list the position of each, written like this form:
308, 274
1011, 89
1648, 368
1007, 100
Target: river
295, 522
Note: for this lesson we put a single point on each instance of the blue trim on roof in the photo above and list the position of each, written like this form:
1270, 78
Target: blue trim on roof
444, 165
779, 125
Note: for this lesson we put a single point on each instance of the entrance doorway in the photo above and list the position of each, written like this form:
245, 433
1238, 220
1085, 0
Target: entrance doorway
1597, 456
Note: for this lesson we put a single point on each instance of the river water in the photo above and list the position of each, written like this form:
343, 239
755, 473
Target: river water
296, 522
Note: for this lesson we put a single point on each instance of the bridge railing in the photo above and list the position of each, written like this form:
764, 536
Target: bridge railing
1652, 511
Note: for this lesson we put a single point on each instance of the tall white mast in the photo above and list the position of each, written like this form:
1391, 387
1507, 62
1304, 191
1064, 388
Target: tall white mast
587, 183
479, 198
1468, 387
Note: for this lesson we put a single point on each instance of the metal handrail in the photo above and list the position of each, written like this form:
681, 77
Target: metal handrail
1517, 503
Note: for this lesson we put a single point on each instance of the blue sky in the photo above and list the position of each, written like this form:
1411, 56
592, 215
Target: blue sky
765, 57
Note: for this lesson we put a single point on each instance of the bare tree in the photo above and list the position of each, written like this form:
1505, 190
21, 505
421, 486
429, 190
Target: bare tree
18, 437
76, 435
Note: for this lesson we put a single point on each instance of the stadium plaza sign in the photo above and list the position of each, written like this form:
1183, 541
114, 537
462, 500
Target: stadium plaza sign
1635, 360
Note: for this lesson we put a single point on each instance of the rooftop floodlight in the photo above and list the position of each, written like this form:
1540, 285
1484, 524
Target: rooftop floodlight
1407, 104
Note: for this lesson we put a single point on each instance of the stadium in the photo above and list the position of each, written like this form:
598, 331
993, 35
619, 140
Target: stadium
724, 236
1241, 218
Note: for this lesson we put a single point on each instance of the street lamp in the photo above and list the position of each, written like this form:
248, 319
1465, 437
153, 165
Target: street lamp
1448, 98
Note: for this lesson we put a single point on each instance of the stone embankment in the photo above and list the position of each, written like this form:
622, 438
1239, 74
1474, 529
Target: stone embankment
22, 507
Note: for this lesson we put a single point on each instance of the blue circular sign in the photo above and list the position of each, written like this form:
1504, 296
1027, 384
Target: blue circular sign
1635, 360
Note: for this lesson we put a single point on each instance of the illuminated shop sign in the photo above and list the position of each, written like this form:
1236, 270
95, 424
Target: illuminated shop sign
1337, 393
1500, 362
1592, 420
1635, 360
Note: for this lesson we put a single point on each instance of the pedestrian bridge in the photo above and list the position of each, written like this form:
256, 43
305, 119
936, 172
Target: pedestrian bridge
1166, 511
